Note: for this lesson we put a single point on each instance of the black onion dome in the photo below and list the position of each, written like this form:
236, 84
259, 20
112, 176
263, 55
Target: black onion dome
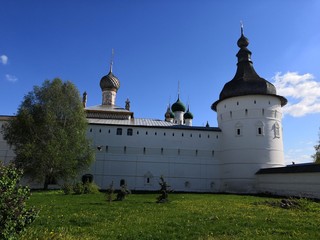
178, 106
188, 115
109, 82
243, 41
246, 81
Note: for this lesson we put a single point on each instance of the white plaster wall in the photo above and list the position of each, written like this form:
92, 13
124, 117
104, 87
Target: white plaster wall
242, 155
109, 97
186, 158
188, 122
290, 184
178, 117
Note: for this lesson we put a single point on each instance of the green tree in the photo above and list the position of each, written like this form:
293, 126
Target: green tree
14, 214
316, 156
48, 134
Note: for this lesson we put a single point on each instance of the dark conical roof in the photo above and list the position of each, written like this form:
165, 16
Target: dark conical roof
246, 81
178, 106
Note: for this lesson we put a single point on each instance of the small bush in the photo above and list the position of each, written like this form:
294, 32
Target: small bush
90, 187
123, 192
164, 190
110, 192
14, 214
67, 188
78, 188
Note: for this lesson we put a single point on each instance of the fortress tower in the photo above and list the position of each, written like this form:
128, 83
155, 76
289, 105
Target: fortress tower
249, 115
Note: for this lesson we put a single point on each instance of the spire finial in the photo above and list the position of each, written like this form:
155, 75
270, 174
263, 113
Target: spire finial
179, 89
111, 61
241, 27
243, 41
188, 103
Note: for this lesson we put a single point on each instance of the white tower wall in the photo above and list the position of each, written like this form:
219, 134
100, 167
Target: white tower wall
188, 122
251, 139
108, 97
178, 117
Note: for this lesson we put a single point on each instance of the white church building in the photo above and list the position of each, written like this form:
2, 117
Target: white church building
243, 154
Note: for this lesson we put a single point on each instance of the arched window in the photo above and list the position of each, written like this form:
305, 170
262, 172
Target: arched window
119, 131
129, 131
148, 178
259, 128
238, 129
122, 182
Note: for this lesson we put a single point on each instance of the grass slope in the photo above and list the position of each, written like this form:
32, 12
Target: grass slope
186, 216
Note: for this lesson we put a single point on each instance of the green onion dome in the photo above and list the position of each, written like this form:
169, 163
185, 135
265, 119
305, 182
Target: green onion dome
178, 106
169, 113
188, 115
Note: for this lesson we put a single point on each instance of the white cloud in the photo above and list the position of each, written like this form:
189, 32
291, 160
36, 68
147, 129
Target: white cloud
11, 78
3, 59
302, 91
301, 153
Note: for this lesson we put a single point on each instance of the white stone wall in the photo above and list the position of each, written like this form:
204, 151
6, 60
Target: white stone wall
290, 184
186, 158
188, 122
251, 139
178, 117
109, 97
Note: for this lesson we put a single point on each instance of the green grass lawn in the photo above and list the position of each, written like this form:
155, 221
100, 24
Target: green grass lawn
186, 216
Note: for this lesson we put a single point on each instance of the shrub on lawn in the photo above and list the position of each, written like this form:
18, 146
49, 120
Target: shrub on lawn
80, 188
110, 192
164, 190
123, 192
14, 214
67, 188
90, 187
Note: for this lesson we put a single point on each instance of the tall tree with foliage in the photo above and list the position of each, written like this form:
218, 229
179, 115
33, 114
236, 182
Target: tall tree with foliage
49, 133
316, 156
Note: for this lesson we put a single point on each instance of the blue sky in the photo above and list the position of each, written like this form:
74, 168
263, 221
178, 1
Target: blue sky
160, 43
